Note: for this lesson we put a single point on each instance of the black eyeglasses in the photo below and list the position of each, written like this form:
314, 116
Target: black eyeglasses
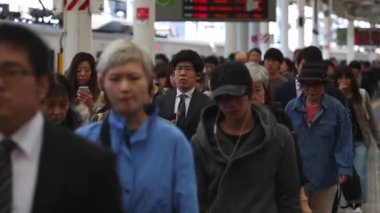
184, 68
12, 71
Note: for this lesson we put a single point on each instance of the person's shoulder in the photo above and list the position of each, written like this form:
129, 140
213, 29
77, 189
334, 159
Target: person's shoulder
283, 79
331, 100
90, 131
74, 144
292, 104
167, 128
286, 86
164, 130
166, 95
201, 96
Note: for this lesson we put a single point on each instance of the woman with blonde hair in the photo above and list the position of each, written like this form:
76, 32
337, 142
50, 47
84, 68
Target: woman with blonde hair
154, 158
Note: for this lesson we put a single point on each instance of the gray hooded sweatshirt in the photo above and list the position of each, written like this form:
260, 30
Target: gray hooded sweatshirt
260, 176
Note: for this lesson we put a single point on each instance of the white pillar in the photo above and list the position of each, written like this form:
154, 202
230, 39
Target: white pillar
327, 32
350, 41
143, 24
264, 37
372, 54
253, 34
242, 36
230, 43
315, 41
301, 23
284, 27
77, 26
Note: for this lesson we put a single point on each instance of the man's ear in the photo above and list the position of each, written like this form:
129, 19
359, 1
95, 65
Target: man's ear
199, 76
43, 83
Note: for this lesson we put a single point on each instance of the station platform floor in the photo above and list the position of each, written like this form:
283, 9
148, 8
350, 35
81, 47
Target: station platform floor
373, 166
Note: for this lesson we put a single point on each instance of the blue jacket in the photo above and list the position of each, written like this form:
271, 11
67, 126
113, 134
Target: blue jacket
156, 171
326, 146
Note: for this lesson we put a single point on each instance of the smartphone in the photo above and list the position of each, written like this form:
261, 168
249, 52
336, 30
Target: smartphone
84, 89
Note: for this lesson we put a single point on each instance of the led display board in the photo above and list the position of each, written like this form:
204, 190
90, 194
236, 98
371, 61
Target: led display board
217, 10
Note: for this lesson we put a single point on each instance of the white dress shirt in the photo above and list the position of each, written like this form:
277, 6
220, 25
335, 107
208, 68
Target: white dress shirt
298, 87
188, 94
25, 159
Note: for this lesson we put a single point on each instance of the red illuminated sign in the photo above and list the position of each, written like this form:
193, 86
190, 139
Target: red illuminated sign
142, 14
226, 9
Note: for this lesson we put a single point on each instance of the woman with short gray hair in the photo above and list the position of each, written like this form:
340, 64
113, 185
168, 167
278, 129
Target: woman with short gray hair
260, 78
154, 158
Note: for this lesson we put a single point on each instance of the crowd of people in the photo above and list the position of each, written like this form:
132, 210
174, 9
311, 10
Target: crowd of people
256, 132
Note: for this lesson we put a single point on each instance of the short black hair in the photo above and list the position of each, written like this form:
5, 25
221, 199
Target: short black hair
310, 53
289, 63
255, 50
329, 63
162, 57
36, 49
211, 59
355, 65
274, 54
190, 56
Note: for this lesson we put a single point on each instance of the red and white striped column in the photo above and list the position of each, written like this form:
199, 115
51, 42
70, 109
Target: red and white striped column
76, 4
77, 26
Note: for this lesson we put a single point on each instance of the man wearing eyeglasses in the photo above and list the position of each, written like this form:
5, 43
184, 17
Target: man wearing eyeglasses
323, 130
44, 168
183, 106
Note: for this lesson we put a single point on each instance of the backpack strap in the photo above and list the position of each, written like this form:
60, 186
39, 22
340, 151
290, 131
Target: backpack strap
105, 136
364, 98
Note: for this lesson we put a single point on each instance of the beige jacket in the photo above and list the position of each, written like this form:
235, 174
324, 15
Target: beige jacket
366, 119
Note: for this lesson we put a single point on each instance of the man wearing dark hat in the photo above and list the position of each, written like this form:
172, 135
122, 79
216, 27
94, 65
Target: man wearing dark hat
273, 59
323, 131
292, 89
245, 161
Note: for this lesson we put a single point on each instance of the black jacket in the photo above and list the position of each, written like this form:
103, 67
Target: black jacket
261, 176
75, 176
198, 101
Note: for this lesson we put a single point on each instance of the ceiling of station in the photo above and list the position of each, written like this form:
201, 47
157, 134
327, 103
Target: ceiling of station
368, 10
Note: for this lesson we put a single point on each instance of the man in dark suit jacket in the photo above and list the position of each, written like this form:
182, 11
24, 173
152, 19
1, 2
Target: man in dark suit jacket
188, 67
44, 168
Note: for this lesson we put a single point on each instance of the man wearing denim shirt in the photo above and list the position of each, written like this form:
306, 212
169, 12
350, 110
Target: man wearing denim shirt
323, 130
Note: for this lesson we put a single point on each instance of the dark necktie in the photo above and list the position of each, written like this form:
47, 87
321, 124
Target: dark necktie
181, 109
6, 147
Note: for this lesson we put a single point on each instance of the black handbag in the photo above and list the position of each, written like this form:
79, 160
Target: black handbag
350, 190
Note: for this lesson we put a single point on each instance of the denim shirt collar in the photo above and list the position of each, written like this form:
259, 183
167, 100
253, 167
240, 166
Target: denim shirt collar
120, 125
301, 101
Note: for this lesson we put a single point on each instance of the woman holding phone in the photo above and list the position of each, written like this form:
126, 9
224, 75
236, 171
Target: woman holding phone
83, 80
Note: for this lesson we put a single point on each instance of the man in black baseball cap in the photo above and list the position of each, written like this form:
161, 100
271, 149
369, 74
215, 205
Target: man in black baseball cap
245, 161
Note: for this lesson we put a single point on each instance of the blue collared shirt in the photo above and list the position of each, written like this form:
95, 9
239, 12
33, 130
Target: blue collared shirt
326, 145
156, 170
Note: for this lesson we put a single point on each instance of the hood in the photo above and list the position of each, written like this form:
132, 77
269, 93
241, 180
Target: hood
264, 123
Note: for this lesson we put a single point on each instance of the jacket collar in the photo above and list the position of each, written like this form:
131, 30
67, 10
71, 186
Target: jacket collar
301, 101
120, 124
